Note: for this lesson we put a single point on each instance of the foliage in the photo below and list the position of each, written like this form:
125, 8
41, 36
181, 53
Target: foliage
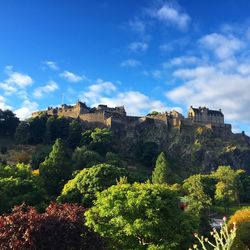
162, 172
140, 216
242, 220
18, 184
89, 181
101, 140
8, 123
146, 153
56, 169
245, 191
222, 240
113, 159
37, 129
198, 201
228, 186
83, 157
57, 128
74, 134
22, 134
60, 227
39, 156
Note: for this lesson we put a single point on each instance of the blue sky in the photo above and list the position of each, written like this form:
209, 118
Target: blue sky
144, 54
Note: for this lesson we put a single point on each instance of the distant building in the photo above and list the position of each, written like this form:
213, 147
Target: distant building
203, 115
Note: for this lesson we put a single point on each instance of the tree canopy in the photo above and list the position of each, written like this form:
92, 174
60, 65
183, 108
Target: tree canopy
89, 181
140, 216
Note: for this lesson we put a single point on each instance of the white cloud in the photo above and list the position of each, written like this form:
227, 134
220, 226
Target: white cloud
137, 26
216, 89
3, 104
50, 87
135, 102
223, 46
15, 81
182, 60
51, 64
131, 63
26, 110
71, 77
171, 15
138, 47
98, 89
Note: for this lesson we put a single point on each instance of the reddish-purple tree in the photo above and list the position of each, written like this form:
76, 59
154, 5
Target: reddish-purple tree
60, 227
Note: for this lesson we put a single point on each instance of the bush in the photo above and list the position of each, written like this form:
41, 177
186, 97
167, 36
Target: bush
60, 227
242, 220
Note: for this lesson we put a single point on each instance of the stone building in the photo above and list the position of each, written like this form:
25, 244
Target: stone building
203, 115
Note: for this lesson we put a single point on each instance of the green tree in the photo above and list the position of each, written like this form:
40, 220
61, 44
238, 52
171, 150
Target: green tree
89, 181
22, 134
146, 152
83, 157
8, 123
74, 136
57, 168
228, 186
37, 129
113, 159
140, 216
101, 140
198, 201
162, 172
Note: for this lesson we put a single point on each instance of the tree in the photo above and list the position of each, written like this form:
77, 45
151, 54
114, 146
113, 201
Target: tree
162, 172
57, 128
8, 123
113, 159
146, 152
57, 168
198, 201
140, 216
101, 140
89, 181
37, 129
74, 135
83, 157
59, 227
228, 186
22, 133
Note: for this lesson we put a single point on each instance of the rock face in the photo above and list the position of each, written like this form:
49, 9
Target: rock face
196, 149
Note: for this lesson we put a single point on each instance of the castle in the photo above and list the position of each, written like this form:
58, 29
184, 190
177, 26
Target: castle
104, 116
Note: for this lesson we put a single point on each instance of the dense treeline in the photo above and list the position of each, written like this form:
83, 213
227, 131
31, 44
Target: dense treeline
99, 200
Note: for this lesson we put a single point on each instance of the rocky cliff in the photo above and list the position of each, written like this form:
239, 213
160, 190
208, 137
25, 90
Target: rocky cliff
192, 149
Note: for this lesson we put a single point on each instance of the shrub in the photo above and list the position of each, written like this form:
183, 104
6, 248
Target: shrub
60, 227
242, 220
